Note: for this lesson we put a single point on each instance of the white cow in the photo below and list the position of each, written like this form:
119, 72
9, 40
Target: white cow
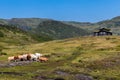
33, 57
11, 58
25, 57
38, 55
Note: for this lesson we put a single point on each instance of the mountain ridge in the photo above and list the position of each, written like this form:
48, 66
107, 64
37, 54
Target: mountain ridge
31, 25
84, 28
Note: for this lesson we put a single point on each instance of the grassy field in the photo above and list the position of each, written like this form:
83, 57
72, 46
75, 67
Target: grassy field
97, 58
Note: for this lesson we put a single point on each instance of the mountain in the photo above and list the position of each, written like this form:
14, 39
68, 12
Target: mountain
46, 27
4, 21
113, 24
79, 24
83, 25
59, 30
13, 35
52, 29
28, 22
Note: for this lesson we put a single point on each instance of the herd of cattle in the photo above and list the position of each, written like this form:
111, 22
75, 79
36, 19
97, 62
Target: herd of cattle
28, 57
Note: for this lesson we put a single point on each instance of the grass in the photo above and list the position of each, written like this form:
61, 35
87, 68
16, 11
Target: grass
98, 57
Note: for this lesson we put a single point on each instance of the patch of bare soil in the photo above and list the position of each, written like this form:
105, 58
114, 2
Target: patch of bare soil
12, 73
62, 74
12, 64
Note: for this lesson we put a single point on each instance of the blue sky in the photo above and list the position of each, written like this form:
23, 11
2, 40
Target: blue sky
70, 10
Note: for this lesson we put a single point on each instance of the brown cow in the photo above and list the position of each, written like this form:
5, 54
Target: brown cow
16, 58
28, 57
21, 58
43, 59
11, 58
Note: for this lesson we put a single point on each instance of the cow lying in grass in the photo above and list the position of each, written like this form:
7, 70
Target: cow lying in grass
43, 59
28, 57
31, 57
13, 58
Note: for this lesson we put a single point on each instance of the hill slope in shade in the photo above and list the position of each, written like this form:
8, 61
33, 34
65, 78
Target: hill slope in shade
59, 30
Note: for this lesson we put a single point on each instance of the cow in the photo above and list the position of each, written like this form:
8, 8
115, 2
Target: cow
11, 58
31, 57
38, 55
25, 57
21, 58
43, 59
16, 58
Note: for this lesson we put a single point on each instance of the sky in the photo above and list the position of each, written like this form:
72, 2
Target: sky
64, 10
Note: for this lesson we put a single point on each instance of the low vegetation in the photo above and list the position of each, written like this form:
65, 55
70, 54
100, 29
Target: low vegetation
92, 58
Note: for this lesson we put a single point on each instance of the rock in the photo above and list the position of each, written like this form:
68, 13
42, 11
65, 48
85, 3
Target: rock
40, 78
83, 77
62, 73
59, 79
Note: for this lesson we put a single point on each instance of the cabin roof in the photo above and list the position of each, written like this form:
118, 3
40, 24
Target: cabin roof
103, 30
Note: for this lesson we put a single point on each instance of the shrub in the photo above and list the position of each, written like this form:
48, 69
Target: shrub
48, 56
3, 53
1, 34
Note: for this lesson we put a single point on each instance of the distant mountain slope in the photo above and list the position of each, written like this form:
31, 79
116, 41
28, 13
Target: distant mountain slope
84, 25
4, 21
46, 27
14, 35
78, 24
59, 30
28, 22
113, 24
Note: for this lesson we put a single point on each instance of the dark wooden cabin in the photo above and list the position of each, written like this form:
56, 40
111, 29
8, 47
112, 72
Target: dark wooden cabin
102, 32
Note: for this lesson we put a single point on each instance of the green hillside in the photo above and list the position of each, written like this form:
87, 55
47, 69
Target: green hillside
91, 58
13, 35
26, 22
84, 25
59, 30
54, 29
51, 28
113, 24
